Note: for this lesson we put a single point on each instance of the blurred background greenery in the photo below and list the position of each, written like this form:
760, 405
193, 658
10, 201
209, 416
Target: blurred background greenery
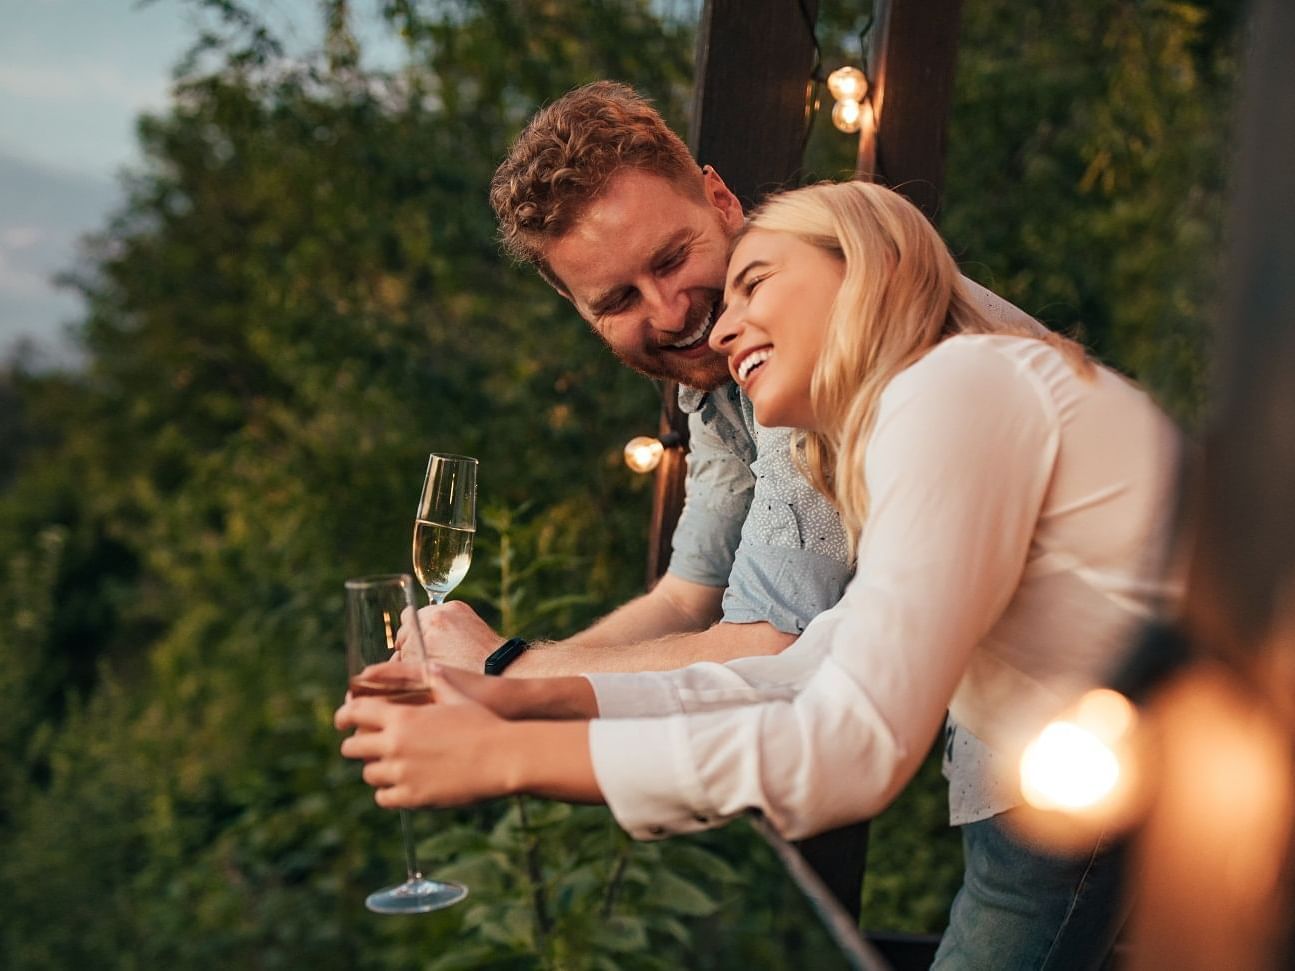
298, 298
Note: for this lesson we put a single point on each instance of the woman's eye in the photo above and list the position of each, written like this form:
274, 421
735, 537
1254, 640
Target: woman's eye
754, 282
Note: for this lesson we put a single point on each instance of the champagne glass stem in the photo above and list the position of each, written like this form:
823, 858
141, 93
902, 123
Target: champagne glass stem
411, 858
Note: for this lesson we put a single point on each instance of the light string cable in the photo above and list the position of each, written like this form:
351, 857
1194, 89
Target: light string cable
817, 76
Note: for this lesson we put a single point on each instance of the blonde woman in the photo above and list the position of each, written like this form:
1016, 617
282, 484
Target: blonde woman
1004, 495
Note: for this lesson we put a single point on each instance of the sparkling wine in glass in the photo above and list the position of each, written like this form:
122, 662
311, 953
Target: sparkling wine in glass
375, 609
445, 524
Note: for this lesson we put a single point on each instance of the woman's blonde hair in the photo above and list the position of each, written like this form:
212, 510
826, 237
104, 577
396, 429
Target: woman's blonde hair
901, 295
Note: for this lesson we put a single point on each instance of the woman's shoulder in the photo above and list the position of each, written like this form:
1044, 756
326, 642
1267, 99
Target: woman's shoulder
988, 349
976, 374
967, 362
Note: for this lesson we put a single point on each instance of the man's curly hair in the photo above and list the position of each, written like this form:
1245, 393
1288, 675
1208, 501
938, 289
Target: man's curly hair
568, 153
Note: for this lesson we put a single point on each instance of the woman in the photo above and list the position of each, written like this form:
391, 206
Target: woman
1004, 494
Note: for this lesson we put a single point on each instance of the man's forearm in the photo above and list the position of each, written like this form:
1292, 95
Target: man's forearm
673, 606
720, 643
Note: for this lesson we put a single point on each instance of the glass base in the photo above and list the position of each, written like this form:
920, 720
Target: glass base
415, 897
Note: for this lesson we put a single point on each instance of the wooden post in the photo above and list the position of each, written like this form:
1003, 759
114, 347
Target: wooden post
912, 57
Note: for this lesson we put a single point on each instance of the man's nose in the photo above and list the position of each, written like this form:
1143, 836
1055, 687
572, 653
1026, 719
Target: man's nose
667, 307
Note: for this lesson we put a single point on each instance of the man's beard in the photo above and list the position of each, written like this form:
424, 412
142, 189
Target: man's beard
705, 372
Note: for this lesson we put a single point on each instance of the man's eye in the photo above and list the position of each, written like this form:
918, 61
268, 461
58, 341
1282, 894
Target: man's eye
618, 305
673, 260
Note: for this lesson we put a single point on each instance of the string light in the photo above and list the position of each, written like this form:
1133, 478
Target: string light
848, 84
1081, 762
643, 453
847, 116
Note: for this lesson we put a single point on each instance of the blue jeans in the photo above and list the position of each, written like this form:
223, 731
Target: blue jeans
1024, 909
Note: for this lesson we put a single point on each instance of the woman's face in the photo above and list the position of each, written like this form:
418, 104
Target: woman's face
777, 297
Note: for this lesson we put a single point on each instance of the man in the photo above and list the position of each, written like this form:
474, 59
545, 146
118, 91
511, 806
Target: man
609, 205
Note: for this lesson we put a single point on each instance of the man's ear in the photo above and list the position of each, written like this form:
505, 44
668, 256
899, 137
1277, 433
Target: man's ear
719, 196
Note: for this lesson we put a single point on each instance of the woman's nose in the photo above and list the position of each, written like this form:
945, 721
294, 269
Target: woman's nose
725, 331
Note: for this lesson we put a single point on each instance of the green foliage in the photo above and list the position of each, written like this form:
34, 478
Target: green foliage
1087, 154
298, 299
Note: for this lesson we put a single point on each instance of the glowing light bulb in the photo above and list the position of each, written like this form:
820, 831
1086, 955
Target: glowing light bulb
847, 84
847, 115
1067, 767
1077, 762
643, 453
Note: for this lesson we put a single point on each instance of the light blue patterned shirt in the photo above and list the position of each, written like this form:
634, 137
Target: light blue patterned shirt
751, 521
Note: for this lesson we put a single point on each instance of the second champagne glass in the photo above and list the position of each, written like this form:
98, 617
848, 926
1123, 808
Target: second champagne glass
446, 523
375, 609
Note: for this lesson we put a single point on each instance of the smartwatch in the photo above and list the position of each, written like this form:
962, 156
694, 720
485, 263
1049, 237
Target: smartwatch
505, 655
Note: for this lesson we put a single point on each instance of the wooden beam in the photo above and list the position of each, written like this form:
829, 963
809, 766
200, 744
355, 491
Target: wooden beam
754, 62
912, 58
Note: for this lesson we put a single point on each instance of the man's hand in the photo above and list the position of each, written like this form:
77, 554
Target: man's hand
453, 634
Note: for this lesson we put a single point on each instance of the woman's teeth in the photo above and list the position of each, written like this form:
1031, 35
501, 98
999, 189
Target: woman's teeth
751, 362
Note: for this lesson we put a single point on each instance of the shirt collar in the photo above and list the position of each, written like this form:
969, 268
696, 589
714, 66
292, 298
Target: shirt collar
691, 399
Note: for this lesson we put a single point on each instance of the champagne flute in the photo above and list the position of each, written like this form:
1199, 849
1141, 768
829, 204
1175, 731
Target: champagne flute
375, 609
445, 524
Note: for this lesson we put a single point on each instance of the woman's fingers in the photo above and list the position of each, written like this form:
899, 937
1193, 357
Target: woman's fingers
395, 797
365, 714
443, 691
379, 774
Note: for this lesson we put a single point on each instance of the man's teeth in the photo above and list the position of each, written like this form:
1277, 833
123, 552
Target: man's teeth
701, 331
751, 362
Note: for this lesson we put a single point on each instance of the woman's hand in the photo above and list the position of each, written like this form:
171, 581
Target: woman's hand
446, 753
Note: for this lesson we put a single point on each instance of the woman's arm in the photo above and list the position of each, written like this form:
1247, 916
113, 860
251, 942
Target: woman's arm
456, 750
535, 698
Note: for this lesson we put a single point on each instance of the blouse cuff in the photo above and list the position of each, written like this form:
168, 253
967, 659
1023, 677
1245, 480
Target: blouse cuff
645, 772
636, 695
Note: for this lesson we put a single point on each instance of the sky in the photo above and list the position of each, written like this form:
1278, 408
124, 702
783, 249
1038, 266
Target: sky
74, 77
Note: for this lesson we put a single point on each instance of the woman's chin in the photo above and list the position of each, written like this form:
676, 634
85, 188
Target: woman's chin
774, 413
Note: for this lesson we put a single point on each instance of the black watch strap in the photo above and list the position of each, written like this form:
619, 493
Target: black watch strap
505, 655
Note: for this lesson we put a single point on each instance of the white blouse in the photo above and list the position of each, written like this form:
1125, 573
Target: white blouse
1018, 516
